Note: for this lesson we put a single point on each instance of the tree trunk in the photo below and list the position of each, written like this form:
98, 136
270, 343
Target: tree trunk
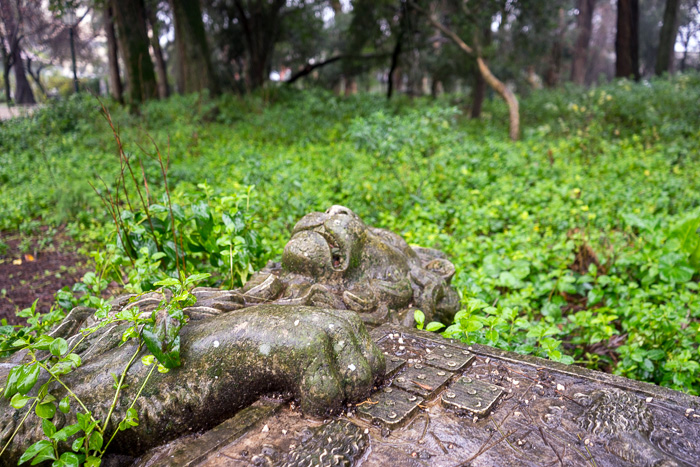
23, 91
130, 19
667, 37
194, 64
6, 65
394, 65
36, 77
161, 70
260, 29
584, 26
551, 77
627, 39
115, 81
498, 86
478, 94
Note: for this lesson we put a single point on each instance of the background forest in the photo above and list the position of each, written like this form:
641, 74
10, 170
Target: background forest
549, 148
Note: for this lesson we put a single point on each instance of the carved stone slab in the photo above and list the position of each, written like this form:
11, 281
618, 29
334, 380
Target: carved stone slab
507, 410
390, 407
470, 396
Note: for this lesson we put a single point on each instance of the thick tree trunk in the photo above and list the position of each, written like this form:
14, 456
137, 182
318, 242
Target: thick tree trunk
584, 28
23, 91
667, 37
115, 81
194, 64
161, 70
130, 19
627, 39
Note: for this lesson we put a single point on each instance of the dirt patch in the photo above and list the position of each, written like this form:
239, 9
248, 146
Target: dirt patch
28, 272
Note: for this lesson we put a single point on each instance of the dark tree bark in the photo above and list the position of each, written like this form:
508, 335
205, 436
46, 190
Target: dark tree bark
478, 94
627, 39
584, 28
551, 77
130, 19
115, 81
394, 65
161, 70
36, 76
194, 64
260, 28
6, 66
667, 37
23, 91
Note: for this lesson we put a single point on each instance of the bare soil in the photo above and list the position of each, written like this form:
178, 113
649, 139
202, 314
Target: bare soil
29, 272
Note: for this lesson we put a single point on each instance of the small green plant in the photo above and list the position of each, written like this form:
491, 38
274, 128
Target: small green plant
432, 326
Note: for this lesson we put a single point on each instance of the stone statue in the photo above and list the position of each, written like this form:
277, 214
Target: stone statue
295, 327
334, 260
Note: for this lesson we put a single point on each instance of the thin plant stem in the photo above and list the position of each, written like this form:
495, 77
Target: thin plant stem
119, 386
138, 394
71, 393
18, 427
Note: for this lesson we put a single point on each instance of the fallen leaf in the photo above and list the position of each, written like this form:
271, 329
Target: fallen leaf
29, 257
17, 262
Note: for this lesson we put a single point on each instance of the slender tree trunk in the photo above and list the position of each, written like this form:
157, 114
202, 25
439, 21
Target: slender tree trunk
36, 77
115, 81
161, 70
496, 84
23, 91
130, 19
6, 65
478, 94
194, 64
667, 37
627, 39
394, 65
584, 27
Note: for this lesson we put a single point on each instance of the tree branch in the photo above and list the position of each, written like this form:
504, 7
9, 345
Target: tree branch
309, 67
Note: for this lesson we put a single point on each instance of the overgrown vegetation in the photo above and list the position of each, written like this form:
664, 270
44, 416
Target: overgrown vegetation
578, 243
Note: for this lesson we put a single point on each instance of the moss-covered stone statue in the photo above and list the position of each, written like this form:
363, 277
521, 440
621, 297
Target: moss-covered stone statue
296, 327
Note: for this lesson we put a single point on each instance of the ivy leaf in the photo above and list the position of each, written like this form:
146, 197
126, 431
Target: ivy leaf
93, 461
58, 347
48, 428
68, 459
77, 444
18, 401
66, 432
434, 326
96, 441
35, 449
28, 378
46, 410
163, 339
64, 405
12, 379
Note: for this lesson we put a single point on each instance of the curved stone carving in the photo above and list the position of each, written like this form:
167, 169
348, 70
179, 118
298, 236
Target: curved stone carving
293, 328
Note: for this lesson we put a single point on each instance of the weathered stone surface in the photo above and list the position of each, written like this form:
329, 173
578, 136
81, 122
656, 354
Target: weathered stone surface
532, 412
323, 358
334, 260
